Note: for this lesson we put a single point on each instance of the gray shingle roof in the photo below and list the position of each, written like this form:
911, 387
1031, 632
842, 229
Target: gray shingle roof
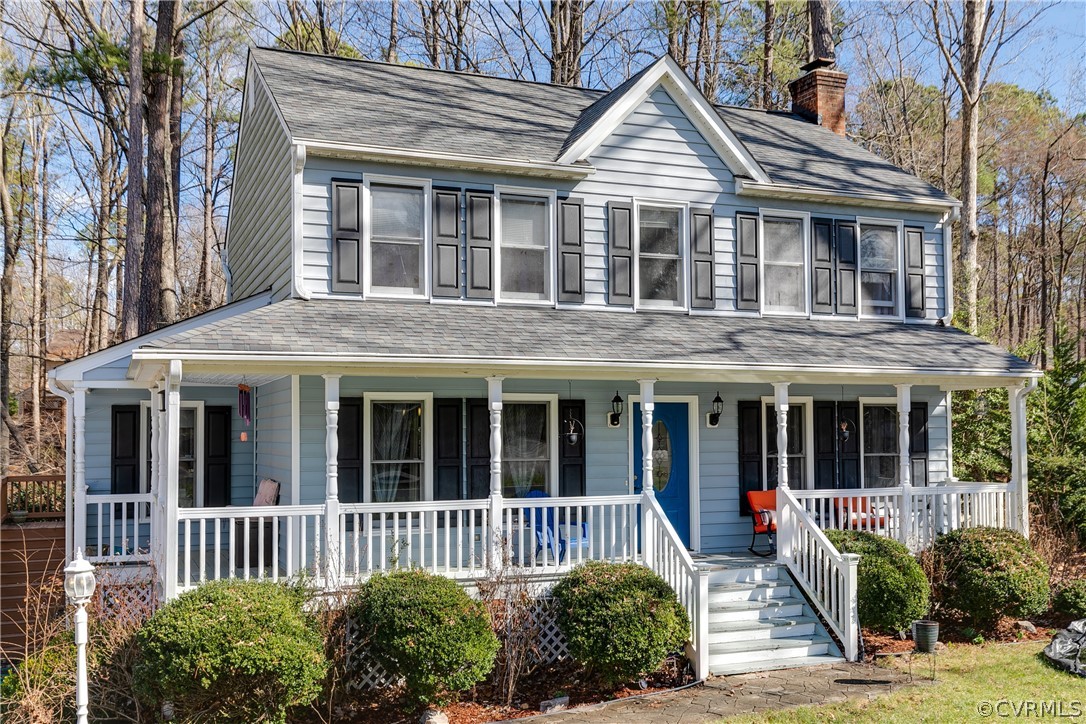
460, 331
402, 107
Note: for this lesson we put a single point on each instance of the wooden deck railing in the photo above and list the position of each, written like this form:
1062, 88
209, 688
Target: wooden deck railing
41, 496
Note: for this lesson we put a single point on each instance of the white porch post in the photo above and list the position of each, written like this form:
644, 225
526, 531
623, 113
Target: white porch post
333, 548
905, 470
152, 485
494, 403
648, 491
780, 407
173, 451
1018, 493
79, 467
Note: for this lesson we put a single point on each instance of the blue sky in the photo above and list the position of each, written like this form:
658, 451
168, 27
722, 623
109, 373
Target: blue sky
1052, 55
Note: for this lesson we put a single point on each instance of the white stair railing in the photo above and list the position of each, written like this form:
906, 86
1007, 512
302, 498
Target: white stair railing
827, 576
666, 555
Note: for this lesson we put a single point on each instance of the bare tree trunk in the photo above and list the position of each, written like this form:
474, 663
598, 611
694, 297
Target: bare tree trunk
566, 25
11, 254
100, 308
821, 25
203, 282
133, 230
158, 300
37, 323
391, 54
768, 32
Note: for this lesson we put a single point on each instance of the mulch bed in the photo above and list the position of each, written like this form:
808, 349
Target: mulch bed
953, 631
480, 705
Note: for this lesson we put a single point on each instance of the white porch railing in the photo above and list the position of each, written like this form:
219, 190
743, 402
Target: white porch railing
826, 576
667, 556
118, 528
912, 515
541, 533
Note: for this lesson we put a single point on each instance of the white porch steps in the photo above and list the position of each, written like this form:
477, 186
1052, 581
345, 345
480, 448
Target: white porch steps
758, 620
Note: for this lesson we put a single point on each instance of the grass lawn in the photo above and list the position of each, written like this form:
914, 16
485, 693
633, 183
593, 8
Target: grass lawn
969, 677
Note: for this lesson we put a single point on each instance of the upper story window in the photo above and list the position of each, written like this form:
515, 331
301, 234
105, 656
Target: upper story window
659, 256
879, 270
784, 267
397, 232
525, 247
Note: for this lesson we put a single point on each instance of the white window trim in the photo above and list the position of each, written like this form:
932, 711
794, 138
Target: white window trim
872, 402
808, 437
427, 224
145, 481
694, 435
551, 401
805, 218
683, 304
899, 282
551, 197
427, 400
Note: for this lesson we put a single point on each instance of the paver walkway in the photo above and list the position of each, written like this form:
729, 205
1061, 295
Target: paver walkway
726, 696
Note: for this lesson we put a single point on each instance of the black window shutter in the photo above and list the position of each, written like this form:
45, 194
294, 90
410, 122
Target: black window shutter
825, 444
447, 449
571, 458
822, 266
914, 272
350, 450
620, 253
702, 276
918, 442
217, 434
846, 267
478, 461
346, 236
125, 450
848, 451
480, 216
570, 250
446, 244
746, 266
750, 451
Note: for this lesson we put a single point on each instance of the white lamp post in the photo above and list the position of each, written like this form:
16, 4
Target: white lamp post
79, 583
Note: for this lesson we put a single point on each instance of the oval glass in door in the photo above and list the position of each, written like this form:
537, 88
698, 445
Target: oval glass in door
661, 456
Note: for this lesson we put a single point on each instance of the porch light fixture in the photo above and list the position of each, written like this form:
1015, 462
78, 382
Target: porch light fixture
842, 428
713, 419
79, 584
574, 430
615, 418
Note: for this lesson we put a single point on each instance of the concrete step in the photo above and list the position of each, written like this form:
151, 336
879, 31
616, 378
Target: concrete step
760, 629
757, 572
750, 591
791, 663
752, 610
742, 652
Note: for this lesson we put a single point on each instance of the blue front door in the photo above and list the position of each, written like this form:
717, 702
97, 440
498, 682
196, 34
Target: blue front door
671, 461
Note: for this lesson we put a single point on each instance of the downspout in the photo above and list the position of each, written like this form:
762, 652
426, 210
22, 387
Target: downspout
297, 257
948, 263
53, 386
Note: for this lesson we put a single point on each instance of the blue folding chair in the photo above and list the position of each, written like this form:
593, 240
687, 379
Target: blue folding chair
543, 525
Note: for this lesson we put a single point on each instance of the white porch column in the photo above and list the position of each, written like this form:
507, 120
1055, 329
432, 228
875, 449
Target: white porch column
79, 468
153, 486
173, 451
780, 407
494, 403
1018, 494
904, 402
333, 548
648, 405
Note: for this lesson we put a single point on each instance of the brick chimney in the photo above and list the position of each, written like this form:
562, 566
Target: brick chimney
819, 95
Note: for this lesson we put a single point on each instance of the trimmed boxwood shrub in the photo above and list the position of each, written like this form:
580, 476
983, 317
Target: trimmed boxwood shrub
1071, 598
892, 588
426, 630
989, 573
620, 620
231, 651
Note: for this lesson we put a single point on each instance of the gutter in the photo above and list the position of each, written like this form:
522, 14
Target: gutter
526, 166
749, 188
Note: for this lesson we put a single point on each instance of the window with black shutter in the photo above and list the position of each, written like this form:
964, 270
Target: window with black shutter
620, 253
702, 271
350, 450
570, 250
747, 295
346, 236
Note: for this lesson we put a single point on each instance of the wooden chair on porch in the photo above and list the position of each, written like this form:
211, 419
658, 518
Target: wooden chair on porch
763, 511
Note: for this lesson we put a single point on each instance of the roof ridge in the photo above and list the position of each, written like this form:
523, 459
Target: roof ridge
407, 66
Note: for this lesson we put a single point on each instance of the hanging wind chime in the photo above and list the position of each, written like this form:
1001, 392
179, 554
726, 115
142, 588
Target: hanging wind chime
245, 407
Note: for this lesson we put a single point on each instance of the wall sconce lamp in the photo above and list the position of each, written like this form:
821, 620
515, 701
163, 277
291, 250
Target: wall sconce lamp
713, 418
614, 419
843, 428
574, 430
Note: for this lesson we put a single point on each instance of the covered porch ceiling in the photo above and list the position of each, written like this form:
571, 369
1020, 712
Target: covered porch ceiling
395, 338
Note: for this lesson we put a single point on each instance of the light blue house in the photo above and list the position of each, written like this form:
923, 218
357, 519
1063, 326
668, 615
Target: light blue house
487, 322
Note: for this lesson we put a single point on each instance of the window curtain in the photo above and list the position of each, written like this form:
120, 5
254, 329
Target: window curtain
395, 434
525, 442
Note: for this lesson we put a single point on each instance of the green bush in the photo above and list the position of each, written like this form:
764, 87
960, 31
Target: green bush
620, 620
989, 573
426, 630
893, 590
1071, 598
231, 651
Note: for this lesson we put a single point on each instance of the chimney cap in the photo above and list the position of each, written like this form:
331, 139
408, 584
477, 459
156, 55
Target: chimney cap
816, 63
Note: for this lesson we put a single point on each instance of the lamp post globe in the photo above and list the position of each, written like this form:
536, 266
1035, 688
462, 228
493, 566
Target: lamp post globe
79, 580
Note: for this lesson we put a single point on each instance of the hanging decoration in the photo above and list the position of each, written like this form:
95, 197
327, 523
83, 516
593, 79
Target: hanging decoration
245, 407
